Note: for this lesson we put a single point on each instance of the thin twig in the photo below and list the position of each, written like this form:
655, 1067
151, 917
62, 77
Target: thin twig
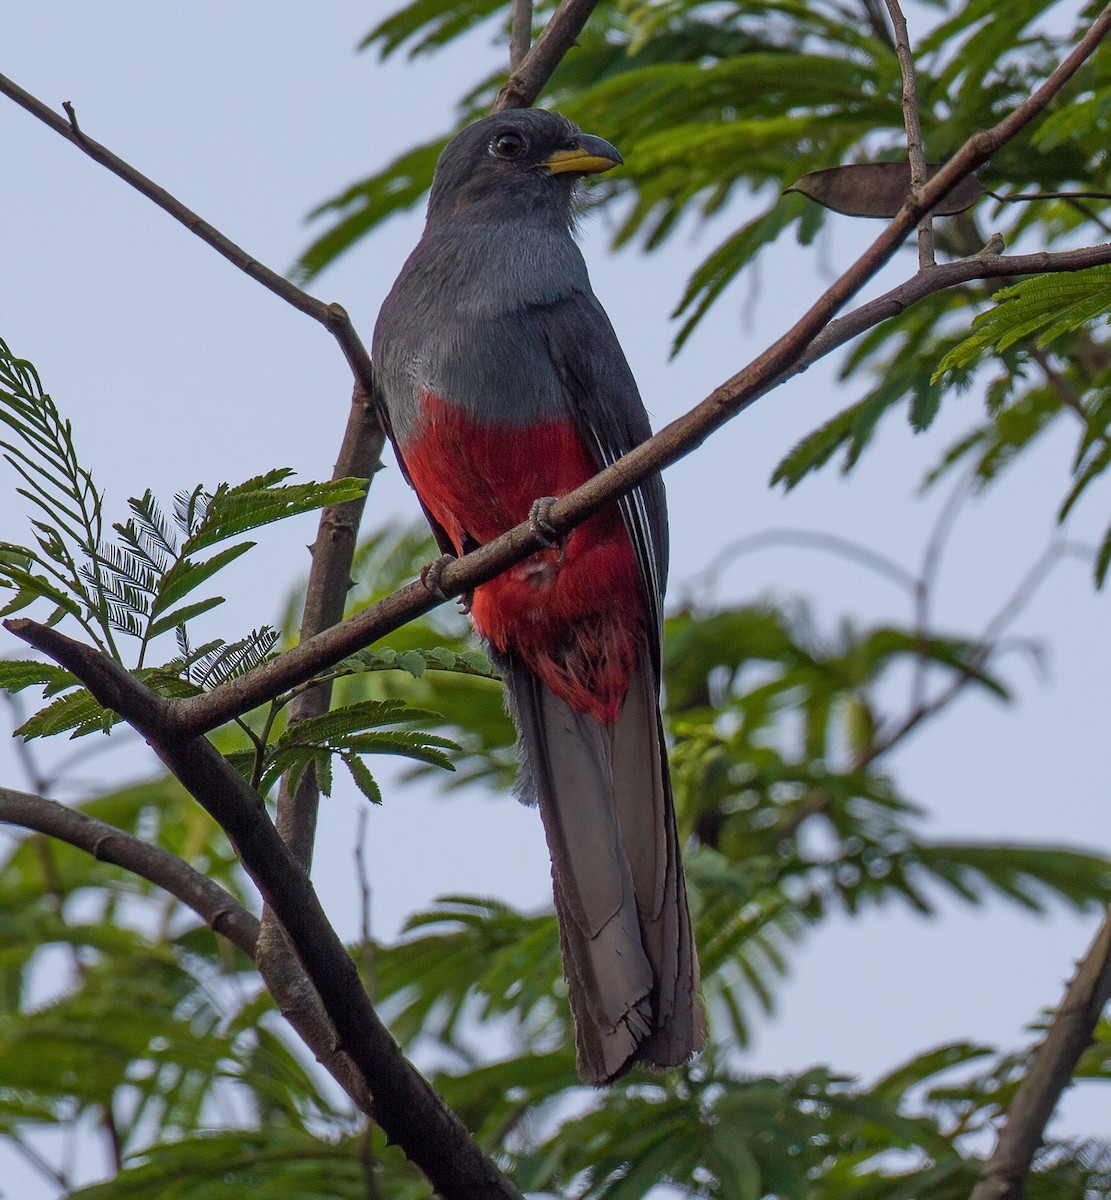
362, 875
520, 33
332, 316
988, 645
924, 586
217, 908
913, 125
1003, 1176
1067, 394
830, 543
873, 14
558, 36
404, 1104
197, 714
35, 1159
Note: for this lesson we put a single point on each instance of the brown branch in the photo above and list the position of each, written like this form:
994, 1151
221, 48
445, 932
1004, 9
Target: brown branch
325, 595
198, 714
297, 1000
331, 316
873, 14
1070, 1033
520, 33
813, 336
987, 265
988, 646
913, 125
217, 908
404, 1104
558, 36
829, 543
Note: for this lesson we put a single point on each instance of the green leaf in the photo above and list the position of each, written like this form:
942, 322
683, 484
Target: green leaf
17, 674
364, 781
181, 616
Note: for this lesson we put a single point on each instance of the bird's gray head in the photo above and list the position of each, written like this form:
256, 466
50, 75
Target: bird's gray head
514, 165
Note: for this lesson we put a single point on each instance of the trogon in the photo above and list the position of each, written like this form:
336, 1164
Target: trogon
502, 383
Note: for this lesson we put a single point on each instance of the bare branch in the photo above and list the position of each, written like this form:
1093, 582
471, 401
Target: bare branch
325, 595
218, 908
197, 714
988, 647
990, 264
404, 1104
1002, 1177
36, 1160
814, 335
520, 33
873, 14
829, 543
526, 81
915, 152
331, 316
927, 580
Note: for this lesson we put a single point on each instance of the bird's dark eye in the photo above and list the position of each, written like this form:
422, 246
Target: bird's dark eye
509, 145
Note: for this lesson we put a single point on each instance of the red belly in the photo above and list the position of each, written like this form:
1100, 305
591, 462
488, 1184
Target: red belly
576, 615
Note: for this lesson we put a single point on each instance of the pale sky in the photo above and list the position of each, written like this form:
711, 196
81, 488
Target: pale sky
176, 369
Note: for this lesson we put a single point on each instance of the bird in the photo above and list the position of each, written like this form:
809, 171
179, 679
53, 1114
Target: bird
502, 385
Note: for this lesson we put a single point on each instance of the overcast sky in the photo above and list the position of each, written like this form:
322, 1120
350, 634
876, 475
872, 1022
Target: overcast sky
176, 369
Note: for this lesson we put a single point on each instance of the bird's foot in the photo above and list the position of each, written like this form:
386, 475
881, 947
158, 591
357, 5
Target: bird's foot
541, 526
430, 577
430, 574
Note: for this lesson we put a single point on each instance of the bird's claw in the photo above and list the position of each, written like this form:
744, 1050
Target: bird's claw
430, 577
430, 574
541, 526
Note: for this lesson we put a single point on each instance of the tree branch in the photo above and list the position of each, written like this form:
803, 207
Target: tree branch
404, 1104
325, 596
218, 908
215, 906
526, 80
197, 714
331, 316
1070, 1033
913, 125
520, 33
296, 817
813, 336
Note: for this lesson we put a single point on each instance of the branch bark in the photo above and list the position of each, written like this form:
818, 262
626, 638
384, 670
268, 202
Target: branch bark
325, 595
528, 78
218, 908
404, 1104
915, 151
331, 316
520, 33
1070, 1033
197, 714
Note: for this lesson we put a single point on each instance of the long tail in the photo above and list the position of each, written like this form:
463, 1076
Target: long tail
605, 799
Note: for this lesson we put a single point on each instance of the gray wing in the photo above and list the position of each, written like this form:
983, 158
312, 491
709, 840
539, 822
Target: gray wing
608, 410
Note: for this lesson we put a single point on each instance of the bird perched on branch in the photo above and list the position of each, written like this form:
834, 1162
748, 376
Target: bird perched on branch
503, 384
